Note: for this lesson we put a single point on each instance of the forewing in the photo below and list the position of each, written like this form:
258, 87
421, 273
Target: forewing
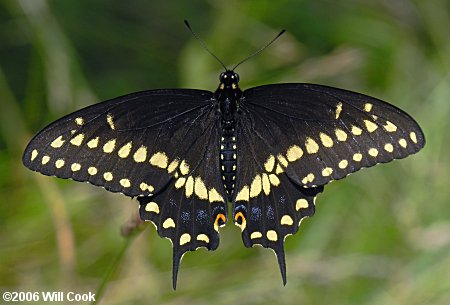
125, 144
319, 134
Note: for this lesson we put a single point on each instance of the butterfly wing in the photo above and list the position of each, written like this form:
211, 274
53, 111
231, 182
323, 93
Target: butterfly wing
295, 138
159, 145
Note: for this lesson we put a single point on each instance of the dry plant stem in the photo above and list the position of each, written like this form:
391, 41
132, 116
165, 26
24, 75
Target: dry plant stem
129, 231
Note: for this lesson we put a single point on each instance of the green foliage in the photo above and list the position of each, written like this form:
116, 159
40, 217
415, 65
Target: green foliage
378, 237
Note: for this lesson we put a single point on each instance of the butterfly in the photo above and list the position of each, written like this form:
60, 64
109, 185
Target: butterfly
186, 154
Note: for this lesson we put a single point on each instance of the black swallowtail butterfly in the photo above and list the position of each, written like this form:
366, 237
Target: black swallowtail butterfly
185, 154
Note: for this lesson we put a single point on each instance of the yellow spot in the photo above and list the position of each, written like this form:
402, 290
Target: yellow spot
279, 169
233, 86
140, 155
152, 207
308, 178
79, 121
108, 176
168, 223
301, 204
45, 159
184, 239
370, 126
243, 223
189, 186
338, 110
59, 163
357, 157
413, 137
184, 168
180, 182
368, 107
326, 140
270, 163
402, 143
374, 117
143, 186
93, 143
92, 171
146, 187
255, 235
200, 188
160, 160
266, 184
75, 167
282, 160
373, 152
294, 153
343, 164
125, 150
327, 171
125, 182
272, 235
243, 194
274, 180
286, 220
34, 154
215, 196
356, 130
109, 146
340, 134
203, 237
109, 120
77, 140
58, 142
256, 186
173, 165
222, 86
311, 146
390, 127
388, 147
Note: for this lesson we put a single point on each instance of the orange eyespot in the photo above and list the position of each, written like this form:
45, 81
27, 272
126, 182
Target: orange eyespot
239, 217
240, 220
219, 222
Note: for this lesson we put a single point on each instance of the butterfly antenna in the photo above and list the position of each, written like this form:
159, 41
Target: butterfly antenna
260, 50
203, 44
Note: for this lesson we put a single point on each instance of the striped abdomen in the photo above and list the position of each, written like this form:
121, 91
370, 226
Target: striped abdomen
228, 159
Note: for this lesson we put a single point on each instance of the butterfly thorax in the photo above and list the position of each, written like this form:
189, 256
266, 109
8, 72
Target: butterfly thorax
228, 95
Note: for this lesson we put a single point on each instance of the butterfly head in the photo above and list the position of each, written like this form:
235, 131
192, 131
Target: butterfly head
229, 79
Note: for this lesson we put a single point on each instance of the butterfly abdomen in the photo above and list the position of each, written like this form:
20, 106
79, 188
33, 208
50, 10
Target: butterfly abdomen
228, 158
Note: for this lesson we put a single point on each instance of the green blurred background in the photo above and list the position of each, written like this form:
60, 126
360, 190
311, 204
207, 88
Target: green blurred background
381, 236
